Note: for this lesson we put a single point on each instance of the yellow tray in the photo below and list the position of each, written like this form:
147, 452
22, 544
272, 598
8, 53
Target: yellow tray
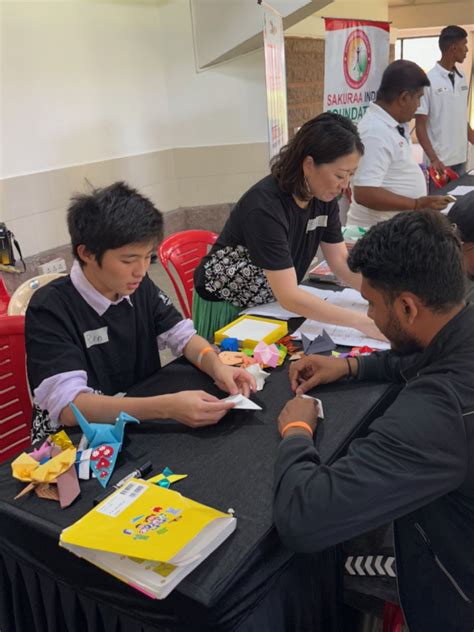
250, 330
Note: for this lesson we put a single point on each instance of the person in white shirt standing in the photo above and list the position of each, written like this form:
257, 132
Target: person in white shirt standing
388, 179
442, 128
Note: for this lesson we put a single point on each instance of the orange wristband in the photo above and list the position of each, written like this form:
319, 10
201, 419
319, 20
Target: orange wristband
297, 424
202, 354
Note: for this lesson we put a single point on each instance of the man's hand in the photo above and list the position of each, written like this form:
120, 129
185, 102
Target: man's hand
433, 202
233, 380
439, 166
196, 408
299, 409
308, 372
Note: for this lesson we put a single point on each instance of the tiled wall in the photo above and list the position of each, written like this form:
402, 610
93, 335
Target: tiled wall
33, 206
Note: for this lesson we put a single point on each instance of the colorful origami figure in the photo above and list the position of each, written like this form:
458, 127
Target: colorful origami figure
50, 472
106, 442
268, 355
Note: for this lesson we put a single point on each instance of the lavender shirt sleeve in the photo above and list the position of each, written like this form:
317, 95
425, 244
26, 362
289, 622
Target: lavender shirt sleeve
177, 337
56, 392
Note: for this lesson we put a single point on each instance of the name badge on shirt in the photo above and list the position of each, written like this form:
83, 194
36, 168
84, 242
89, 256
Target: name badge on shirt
96, 337
464, 88
317, 222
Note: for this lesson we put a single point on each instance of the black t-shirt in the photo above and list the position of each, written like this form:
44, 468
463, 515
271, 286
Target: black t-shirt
118, 349
266, 230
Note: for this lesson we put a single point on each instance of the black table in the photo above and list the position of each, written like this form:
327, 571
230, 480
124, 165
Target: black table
250, 583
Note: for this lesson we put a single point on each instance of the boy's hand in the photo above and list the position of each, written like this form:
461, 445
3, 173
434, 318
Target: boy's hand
196, 408
233, 380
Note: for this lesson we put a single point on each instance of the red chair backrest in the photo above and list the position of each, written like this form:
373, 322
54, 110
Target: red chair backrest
15, 402
185, 250
4, 297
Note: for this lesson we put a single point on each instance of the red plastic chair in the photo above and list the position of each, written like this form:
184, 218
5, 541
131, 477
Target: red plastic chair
15, 401
4, 297
184, 251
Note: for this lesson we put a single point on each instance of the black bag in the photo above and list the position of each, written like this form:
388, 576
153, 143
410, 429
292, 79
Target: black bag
7, 240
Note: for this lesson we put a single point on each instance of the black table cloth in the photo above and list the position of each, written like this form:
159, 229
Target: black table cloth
250, 583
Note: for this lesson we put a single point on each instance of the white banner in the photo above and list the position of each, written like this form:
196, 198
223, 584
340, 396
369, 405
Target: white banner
356, 54
275, 76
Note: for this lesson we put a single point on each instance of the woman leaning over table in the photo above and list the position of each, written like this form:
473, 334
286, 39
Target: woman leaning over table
274, 231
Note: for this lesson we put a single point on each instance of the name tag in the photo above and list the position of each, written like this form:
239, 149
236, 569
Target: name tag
463, 87
317, 222
96, 337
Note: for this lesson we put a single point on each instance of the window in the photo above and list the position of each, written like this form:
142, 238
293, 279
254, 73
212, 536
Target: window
422, 50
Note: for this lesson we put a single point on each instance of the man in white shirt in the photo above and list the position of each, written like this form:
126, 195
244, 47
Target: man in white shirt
441, 120
388, 179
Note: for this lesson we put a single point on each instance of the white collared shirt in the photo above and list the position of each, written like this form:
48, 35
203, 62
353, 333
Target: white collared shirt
446, 109
387, 163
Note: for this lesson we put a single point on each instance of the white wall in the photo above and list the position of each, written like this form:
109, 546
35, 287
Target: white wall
222, 105
80, 83
84, 82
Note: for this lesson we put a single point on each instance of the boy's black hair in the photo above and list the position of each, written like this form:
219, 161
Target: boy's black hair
325, 138
110, 218
401, 76
450, 35
414, 252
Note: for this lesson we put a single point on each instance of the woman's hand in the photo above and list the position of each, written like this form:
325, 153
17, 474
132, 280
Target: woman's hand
367, 326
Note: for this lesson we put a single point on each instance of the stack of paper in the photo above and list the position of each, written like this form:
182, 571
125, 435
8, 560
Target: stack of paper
275, 310
350, 299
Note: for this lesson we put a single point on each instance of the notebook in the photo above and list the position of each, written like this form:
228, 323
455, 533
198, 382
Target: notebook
148, 536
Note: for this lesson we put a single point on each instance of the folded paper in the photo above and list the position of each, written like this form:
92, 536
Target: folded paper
241, 402
268, 355
98, 434
259, 374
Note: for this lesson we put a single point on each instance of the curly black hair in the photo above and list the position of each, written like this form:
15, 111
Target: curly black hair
416, 252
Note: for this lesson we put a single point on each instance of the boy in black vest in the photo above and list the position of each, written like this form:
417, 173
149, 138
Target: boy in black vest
95, 333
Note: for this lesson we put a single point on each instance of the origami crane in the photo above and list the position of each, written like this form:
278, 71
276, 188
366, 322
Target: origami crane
106, 442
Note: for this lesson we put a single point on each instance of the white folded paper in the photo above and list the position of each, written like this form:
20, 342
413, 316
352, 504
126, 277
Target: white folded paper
321, 409
241, 402
259, 374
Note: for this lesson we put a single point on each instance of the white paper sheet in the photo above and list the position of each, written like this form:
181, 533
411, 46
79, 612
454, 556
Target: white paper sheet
462, 189
241, 402
350, 299
341, 335
275, 310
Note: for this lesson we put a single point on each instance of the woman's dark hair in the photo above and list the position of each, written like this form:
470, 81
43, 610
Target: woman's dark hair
325, 138
401, 76
110, 218
414, 252
450, 35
